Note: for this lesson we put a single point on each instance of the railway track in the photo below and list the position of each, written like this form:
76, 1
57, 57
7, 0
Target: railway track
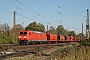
22, 50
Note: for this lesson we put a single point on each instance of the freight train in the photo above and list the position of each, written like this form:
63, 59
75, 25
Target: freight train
33, 37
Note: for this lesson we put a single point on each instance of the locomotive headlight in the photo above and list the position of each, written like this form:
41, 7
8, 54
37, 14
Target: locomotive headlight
19, 37
25, 37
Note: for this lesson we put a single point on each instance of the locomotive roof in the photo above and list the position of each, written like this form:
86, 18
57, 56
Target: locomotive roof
38, 32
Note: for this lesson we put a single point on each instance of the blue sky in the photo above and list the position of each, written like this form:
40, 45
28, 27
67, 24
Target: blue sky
72, 12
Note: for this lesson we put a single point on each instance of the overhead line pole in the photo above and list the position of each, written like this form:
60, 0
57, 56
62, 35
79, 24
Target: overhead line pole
82, 31
82, 28
14, 19
14, 27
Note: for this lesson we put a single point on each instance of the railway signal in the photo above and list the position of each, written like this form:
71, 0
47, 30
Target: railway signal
87, 26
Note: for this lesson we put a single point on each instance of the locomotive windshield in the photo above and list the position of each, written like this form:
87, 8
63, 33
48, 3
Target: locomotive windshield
23, 32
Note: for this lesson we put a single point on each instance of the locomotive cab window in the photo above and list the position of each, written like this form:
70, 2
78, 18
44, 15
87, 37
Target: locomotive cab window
23, 32
29, 33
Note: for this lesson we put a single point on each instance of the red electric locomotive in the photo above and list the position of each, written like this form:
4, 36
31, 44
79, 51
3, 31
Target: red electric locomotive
28, 36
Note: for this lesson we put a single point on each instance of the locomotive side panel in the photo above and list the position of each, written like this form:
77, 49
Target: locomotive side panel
38, 36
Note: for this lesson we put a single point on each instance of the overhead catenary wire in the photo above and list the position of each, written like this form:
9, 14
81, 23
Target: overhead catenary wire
52, 15
18, 8
31, 10
17, 14
5, 11
75, 6
74, 15
24, 17
40, 7
56, 6
72, 7
20, 14
12, 13
4, 18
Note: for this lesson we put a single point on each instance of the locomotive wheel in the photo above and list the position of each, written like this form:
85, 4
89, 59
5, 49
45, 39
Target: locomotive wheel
25, 43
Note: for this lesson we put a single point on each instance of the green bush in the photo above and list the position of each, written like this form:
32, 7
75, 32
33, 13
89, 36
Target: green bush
5, 39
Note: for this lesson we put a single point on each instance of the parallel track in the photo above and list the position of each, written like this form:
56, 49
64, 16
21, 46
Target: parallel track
21, 50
